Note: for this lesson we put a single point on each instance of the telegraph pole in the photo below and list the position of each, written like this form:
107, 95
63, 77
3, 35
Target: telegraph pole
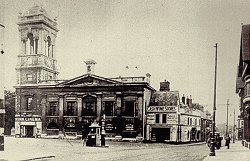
212, 147
2, 105
227, 119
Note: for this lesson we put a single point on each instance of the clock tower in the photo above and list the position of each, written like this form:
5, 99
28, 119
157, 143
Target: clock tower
37, 57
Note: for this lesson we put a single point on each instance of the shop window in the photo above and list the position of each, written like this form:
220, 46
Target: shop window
71, 110
53, 109
29, 77
157, 118
29, 103
129, 108
108, 108
164, 118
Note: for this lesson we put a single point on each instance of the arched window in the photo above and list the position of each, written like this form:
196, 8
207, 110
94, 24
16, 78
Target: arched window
49, 46
30, 44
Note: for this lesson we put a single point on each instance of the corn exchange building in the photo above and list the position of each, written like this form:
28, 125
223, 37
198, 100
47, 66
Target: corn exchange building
46, 106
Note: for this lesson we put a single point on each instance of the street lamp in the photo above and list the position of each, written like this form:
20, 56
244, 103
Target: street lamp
212, 147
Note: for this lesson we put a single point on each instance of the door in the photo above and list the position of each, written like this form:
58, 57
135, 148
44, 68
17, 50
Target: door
29, 131
161, 134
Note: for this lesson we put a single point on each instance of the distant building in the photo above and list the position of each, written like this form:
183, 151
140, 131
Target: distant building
46, 106
243, 82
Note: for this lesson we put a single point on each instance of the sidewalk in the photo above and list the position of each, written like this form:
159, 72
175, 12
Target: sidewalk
236, 153
14, 150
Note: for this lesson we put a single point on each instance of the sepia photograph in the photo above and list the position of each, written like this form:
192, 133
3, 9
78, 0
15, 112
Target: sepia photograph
124, 80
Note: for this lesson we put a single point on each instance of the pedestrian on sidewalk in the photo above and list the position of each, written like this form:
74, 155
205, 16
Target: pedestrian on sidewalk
227, 141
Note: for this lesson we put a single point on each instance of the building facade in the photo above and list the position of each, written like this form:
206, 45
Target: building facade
46, 106
243, 82
170, 119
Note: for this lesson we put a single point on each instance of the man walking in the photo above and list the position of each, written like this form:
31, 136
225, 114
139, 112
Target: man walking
227, 141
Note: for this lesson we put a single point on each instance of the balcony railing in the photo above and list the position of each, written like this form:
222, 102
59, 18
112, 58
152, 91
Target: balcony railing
36, 60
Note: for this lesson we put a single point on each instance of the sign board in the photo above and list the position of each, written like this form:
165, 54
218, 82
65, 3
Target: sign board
150, 118
109, 127
129, 127
161, 109
27, 119
171, 119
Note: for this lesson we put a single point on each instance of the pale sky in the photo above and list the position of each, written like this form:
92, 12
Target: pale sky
172, 40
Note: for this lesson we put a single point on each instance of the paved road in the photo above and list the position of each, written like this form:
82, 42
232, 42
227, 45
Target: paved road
28, 148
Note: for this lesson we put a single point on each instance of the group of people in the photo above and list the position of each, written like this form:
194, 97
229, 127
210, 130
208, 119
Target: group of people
218, 142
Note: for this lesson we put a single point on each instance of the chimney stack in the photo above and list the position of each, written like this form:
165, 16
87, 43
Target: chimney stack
90, 64
187, 101
183, 99
148, 78
190, 101
164, 86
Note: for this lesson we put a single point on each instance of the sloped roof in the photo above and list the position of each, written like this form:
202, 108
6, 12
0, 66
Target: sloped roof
88, 79
164, 98
36, 10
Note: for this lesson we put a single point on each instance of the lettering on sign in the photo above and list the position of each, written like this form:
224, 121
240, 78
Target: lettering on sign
161, 109
28, 119
150, 118
171, 119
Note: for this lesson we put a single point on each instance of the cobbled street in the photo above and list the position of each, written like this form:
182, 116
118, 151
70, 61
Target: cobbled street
57, 149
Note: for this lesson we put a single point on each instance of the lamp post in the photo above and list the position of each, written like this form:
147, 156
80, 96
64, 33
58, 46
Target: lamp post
234, 128
212, 147
227, 120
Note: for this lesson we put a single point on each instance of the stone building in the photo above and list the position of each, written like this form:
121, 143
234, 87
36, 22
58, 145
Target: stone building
46, 106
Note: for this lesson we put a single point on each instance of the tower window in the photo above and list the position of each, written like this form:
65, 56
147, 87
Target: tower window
29, 77
49, 46
30, 44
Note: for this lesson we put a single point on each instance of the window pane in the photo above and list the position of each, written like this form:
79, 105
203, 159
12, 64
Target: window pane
53, 109
108, 108
164, 118
157, 118
29, 103
129, 108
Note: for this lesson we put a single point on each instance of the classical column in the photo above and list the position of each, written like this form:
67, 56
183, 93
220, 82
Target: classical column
79, 106
44, 109
99, 107
61, 98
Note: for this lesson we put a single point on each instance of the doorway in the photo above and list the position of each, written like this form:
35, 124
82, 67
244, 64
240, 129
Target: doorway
29, 131
161, 134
